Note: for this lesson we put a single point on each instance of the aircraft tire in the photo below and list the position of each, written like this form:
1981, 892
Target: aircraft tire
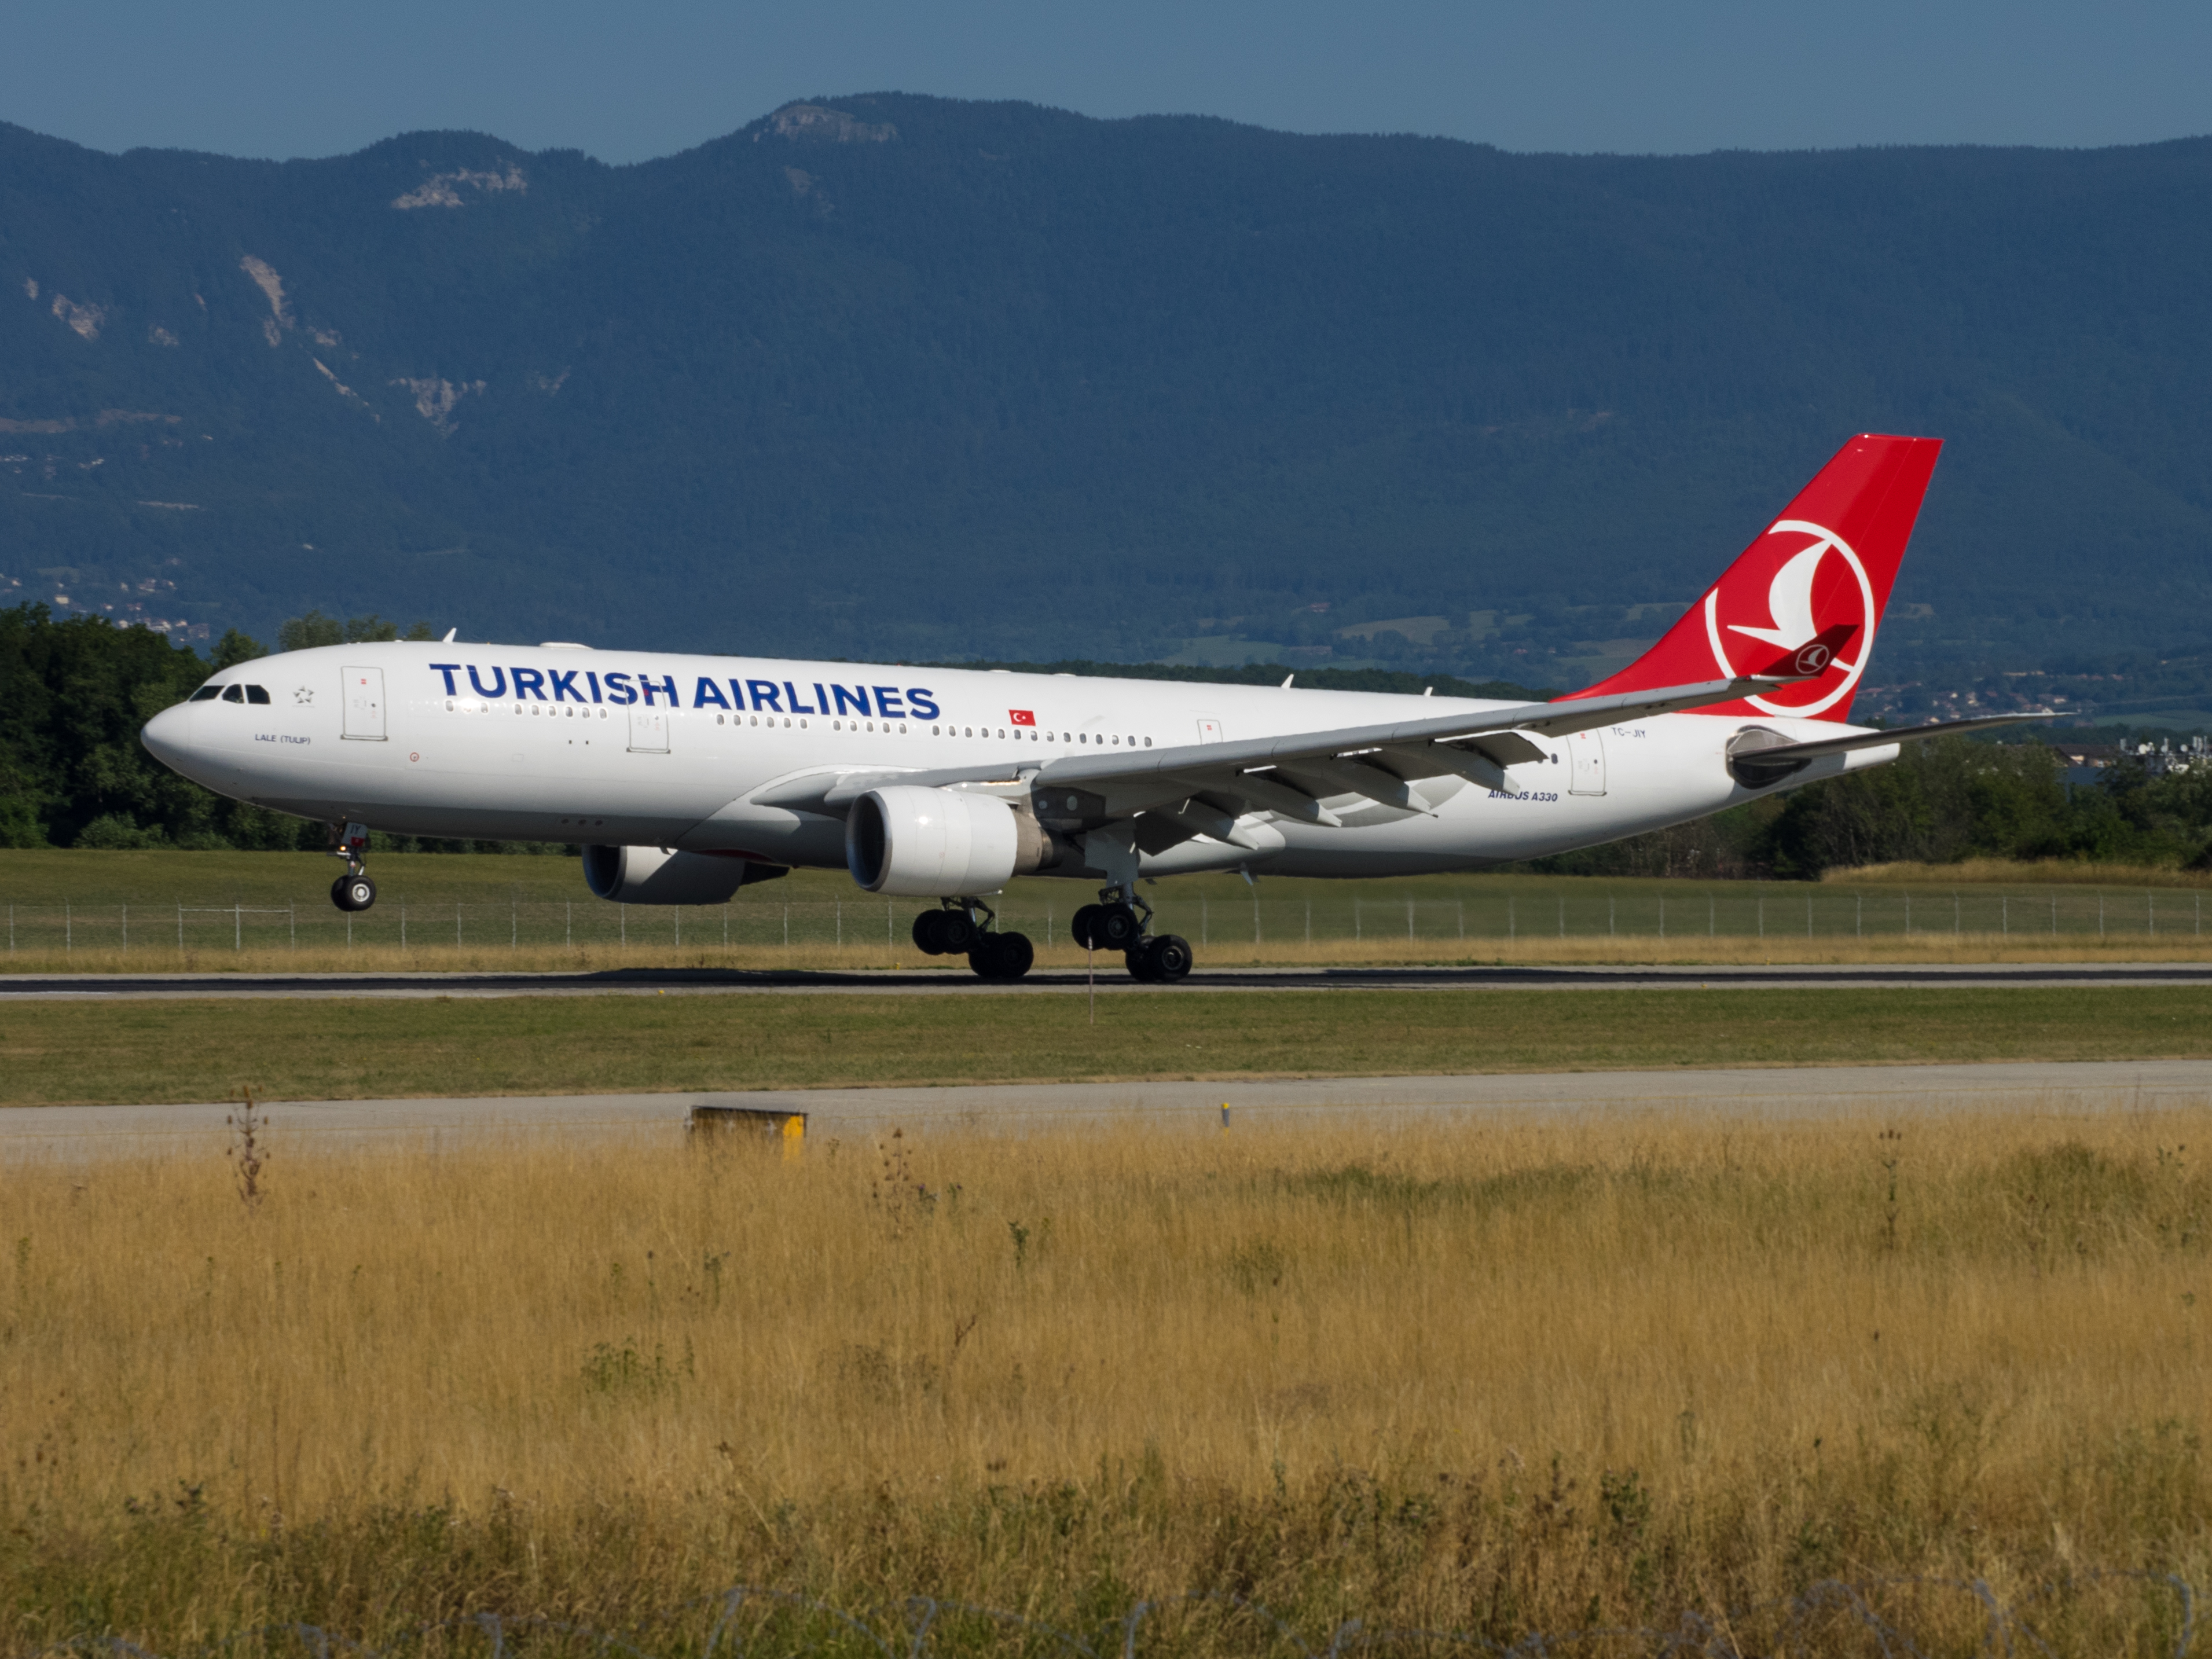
1081, 927
956, 935
1002, 956
1168, 959
1117, 927
1140, 965
929, 933
353, 892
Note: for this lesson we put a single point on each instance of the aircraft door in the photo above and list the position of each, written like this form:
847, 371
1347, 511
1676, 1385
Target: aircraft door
1586, 767
364, 703
648, 730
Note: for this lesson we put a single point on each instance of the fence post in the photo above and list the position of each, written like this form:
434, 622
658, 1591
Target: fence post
1462, 917
1309, 921
1255, 919
402, 924
841, 923
676, 915
1508, 915
622, 920
1205, 919
1256, 916
1610, 930
456, 924
786, 924
237, 926
514, 923
180, 926
291, 909
126, 930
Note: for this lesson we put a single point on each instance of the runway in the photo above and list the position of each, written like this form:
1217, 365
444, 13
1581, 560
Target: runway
81, 1133
1109, 981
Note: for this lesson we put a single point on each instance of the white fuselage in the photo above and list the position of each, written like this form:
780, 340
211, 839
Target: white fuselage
566, 744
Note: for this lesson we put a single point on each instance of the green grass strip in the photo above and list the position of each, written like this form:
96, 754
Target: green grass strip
54, 1053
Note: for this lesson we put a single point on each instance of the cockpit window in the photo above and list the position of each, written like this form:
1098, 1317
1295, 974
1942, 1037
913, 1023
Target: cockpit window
207, 694
233, 694
256, 694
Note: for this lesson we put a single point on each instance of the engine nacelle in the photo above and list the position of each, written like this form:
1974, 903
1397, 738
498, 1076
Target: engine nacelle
656, 875
919, 843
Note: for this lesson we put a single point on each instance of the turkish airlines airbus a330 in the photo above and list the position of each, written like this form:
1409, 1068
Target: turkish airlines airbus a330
685, 776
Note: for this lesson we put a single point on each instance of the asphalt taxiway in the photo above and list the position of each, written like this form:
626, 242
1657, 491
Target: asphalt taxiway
2071, 1088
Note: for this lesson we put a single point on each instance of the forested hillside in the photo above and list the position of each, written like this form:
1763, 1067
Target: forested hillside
903, 377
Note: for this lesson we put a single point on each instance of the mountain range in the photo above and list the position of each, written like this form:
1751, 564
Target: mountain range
902, 377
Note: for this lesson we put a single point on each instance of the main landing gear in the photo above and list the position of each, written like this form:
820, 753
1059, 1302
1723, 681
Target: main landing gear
962, 927
353, 891
1116, 924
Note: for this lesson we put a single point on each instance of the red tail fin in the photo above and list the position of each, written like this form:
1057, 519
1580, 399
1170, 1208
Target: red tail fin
1821, 573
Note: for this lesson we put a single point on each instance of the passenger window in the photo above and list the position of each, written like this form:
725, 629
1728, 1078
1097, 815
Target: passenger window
232, 694
256, 694
207, 694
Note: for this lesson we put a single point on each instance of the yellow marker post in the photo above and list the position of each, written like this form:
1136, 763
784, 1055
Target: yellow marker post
794, 1137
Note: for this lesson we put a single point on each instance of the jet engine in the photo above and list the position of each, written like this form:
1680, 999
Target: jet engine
657, 875
919, 843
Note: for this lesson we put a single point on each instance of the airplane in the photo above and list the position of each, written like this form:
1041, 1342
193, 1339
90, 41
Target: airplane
683, 777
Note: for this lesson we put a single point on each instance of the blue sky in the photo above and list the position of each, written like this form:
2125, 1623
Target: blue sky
644, 78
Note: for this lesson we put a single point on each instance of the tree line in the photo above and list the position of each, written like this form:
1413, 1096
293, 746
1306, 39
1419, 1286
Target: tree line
75, 691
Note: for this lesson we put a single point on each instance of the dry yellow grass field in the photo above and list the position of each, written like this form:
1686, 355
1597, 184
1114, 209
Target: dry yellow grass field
1493, 1377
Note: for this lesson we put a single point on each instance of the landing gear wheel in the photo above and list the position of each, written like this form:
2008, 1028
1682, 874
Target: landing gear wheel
1117, 927
1002, 956
1082, 928
929, 933
353, 892
1167, 958
956, 932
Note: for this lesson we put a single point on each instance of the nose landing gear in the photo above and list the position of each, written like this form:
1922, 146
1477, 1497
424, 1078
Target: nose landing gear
963, 927
1114, 924
353, 891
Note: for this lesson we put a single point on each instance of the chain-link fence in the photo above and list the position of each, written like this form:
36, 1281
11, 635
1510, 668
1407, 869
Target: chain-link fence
1526, 913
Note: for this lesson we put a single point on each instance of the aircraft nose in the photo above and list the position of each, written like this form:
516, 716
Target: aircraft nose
165, 736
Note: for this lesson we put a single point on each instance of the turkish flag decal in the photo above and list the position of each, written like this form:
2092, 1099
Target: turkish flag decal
1022, 716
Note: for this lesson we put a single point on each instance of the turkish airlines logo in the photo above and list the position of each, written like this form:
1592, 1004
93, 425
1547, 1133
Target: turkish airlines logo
1799, 589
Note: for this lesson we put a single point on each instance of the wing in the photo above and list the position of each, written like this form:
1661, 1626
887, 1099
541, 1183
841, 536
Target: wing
1211, 784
